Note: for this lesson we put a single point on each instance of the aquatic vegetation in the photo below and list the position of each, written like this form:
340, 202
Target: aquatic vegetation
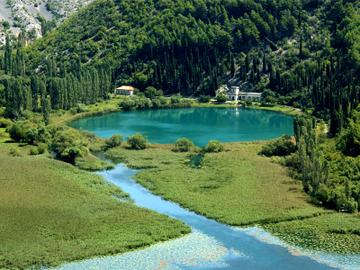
52, 212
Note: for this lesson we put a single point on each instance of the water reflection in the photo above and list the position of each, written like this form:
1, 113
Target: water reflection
198, 124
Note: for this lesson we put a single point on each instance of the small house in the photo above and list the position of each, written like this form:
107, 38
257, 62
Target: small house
125, 90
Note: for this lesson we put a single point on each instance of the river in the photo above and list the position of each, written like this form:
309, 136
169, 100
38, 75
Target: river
211, 245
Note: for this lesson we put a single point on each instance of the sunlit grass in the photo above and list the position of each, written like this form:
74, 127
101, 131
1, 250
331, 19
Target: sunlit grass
236, 187
51, 212
239, 187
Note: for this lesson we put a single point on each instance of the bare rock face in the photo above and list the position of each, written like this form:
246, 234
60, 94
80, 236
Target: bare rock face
17, 15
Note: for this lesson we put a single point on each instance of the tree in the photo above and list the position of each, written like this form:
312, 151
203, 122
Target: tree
46, 108
8, 56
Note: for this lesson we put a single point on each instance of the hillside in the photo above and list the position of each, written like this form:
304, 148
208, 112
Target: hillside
31, 15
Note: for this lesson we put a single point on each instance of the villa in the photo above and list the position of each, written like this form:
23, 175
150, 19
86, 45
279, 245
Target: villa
125, 90
234, 94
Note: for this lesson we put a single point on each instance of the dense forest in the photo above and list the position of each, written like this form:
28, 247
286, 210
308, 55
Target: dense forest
304, 54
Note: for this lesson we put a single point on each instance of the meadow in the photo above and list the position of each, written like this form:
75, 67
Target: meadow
238, 187
52, 212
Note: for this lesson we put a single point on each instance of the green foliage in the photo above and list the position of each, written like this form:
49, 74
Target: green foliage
214, 147
333, 233
5, 123
107, 225
221, 98
137, 142
28, 132
15, 152
183, 145
228, 186
112, 142
330, 178
68, 145
152, 92
349, 140
283, 146
204, 99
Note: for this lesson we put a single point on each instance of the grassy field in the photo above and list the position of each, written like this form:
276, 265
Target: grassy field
238, 187
51, 212
278, 108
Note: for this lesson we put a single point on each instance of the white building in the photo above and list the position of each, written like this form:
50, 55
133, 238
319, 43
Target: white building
251, 96
234, 94
125, 90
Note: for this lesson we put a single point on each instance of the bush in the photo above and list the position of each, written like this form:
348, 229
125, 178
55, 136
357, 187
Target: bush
28, 132
349, 141
214, 147
204, 99
114, 141
34, 152
68, 145
14, 152
127, 104
151, 92
42, 148
176, 99
24, 131
280, 147
137, 142
221, 98
183, 145
5, 123
79, 108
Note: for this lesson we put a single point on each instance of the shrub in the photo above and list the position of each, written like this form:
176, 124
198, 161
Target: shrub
114, 141
204, 99
34, 151
14, 152
142, 103
42, 148
183, 145
349, 141
214, 147
5, 123
24, 131
221, 98
151, 92
79, 108
68, 145
176, 99
127, 104
137, 142
280, 147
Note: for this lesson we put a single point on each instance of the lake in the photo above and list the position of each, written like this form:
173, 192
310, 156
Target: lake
198, 124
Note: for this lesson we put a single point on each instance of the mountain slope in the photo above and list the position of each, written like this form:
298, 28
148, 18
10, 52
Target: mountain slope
182, 46
25, 14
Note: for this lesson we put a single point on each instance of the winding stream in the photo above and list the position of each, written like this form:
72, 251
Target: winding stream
211, 245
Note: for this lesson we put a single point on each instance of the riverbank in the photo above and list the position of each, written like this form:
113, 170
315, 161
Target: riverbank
52, 213
231, 188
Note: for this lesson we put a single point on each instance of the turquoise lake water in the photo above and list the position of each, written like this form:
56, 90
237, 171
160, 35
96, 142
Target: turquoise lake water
198, 124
